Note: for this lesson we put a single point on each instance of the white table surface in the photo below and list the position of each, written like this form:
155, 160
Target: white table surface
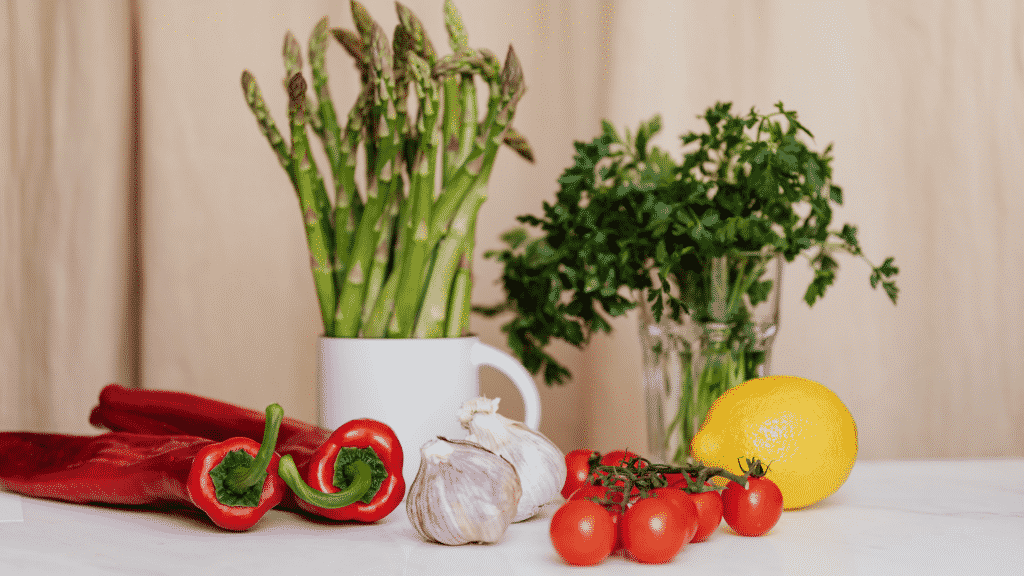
908, 517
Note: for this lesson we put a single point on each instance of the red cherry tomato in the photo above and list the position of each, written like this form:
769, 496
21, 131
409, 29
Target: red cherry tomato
618, 458
615, 511
595, 492
577, 463
684, 506
591, 493
709, 514
754, 510
676, 479
588, 492
652, 531
616, 495
582, 532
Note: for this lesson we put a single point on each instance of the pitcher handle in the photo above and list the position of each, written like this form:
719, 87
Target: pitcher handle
485, 355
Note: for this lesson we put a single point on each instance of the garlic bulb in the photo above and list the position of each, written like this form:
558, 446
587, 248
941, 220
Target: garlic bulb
463, 493
540, 464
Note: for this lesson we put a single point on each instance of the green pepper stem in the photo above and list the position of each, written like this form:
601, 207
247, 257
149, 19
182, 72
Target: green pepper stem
244, 477
361, 477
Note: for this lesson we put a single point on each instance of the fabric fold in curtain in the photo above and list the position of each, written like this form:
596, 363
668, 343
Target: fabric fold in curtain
65, 164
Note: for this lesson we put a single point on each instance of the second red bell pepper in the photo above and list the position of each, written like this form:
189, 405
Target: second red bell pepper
361, 440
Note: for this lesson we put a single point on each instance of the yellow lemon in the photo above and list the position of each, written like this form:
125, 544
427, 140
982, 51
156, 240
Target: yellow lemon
798, 426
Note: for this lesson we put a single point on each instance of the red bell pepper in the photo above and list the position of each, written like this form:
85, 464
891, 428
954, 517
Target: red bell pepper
361, 440
234, 482
312, 451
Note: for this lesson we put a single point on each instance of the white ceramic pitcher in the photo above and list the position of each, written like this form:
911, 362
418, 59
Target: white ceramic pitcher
414, 385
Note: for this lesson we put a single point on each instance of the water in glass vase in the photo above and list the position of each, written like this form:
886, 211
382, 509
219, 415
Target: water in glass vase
724, 340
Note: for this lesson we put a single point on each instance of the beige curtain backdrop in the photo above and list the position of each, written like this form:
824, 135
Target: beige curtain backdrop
148, 235
66, 325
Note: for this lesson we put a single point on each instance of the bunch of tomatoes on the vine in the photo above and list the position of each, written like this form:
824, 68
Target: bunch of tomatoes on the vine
620, 502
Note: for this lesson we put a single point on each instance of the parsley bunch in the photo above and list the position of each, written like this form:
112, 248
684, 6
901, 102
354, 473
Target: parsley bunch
630, 221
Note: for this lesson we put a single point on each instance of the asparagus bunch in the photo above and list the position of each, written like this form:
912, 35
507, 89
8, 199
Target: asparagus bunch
394, 260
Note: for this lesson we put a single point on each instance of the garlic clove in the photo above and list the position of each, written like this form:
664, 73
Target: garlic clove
540, 464
463, 493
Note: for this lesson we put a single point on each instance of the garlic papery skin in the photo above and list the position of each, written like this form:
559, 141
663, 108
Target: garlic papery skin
463, 493
540, 464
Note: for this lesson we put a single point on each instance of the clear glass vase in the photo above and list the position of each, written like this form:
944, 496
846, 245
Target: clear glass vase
723, 341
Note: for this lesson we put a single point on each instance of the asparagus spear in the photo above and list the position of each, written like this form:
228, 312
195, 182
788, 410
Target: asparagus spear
413, 258
459, 96
254, 98
497, 95
376, 282
377, 324
420, 42
303, 172
457, 37
413, 52
410, 38
360, 51
450, 128
365, 27
379, 189
466, 126
416, 54
402, 49
517, 142
356, 124
292, 53
434, 312
363, 21
460, 305
330, 135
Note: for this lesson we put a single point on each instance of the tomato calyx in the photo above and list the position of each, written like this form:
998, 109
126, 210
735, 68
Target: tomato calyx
754, 469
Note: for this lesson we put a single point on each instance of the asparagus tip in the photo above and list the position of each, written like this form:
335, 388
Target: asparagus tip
361, 16
292, 53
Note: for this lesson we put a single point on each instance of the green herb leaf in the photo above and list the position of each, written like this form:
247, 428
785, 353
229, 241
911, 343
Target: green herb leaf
836, 193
